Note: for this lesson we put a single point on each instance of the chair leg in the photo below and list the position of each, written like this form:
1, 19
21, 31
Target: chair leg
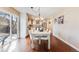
39, 41
32, 45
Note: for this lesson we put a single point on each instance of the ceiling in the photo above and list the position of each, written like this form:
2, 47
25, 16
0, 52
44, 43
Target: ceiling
44, 11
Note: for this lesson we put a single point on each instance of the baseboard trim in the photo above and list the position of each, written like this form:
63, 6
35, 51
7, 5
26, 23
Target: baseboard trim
66, 42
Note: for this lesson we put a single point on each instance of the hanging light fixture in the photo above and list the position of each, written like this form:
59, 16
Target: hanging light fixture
36, 10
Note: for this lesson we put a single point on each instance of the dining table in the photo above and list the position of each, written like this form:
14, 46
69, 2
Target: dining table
35, 35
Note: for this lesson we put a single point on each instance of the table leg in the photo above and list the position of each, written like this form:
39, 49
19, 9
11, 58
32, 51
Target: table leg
49, 43
32, 45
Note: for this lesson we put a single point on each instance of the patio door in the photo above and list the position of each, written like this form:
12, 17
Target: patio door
14, 27
8, 28
4, 28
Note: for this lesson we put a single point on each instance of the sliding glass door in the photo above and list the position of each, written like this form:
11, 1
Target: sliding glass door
8, 28
14, 27
4, 28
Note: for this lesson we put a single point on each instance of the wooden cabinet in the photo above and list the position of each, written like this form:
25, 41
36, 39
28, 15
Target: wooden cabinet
39, 22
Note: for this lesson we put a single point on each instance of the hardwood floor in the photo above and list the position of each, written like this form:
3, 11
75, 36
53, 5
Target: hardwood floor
24, 45
38, 47
56, 46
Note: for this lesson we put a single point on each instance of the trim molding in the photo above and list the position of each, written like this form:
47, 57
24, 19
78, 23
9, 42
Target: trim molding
66, 42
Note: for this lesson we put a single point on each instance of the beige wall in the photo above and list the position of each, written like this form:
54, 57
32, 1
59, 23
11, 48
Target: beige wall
10, 10
23, 25
69, 31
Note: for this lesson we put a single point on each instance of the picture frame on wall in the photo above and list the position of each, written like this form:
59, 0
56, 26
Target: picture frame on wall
59, 20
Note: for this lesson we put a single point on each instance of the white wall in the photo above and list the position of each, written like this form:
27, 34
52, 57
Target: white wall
69, 31
23, 31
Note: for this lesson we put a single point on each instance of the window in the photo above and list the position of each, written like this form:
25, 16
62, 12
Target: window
8, 28
14, 27
4, 27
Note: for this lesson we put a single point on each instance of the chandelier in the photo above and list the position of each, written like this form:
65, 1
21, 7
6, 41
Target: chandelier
36, 10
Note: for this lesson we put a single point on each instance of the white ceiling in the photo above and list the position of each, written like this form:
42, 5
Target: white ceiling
44, 11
